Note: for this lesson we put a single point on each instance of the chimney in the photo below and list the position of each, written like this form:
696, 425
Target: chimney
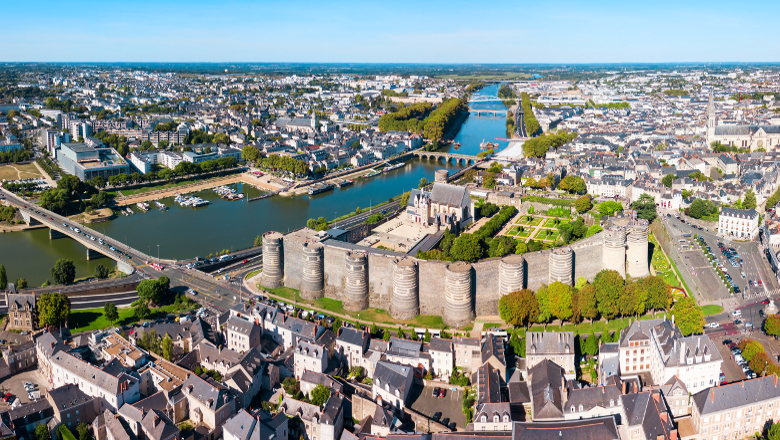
664, 417
656, 397
625, 387
682, 353
672, 319
673, 434
775, 381
636, 386
743, 384
712, 394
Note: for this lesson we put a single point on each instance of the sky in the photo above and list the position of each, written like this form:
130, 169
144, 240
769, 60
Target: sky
401, 31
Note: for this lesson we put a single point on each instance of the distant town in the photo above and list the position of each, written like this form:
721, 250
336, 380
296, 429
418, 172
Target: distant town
316, 253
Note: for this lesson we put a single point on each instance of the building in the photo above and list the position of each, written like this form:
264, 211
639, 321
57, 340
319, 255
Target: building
603, 428
548, 391
169, 159
260, 426
442, 357
736, 410
555, 346
21, 312
242, 335
351, 344
310, 357
86, 163
392, 383
326, 423
9, 144
143, 162
72, 406
468, 354
210, 403
493, 353
112, 390
445, 206
738, 223
594, 401
657, 347
646, 416
20, 357
493, 412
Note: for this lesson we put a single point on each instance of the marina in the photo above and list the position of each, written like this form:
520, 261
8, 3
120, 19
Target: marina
320, 188
373, 174
393, 167
345, 183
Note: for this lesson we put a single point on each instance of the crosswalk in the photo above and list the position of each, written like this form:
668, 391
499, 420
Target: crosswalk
760, 294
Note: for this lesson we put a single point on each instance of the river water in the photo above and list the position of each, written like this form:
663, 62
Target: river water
184, 232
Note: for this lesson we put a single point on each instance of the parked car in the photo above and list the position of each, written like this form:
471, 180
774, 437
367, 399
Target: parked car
442, 393
437, 416
436, 392
713, 325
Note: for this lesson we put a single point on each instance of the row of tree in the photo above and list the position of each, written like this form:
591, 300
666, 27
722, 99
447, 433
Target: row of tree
441, 119
531, 123
285, 163
609, 296
409, 118
538, 147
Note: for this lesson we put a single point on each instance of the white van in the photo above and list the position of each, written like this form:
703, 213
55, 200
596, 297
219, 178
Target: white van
224, 257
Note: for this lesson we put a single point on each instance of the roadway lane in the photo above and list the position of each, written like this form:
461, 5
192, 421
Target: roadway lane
363, 216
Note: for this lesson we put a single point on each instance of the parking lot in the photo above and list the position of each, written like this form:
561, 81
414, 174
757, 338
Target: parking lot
729, 367
451, 406
15, 385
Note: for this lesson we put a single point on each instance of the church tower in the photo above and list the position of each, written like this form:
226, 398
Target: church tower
710, 121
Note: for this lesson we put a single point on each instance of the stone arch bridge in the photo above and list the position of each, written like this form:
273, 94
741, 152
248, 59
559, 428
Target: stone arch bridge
465, 159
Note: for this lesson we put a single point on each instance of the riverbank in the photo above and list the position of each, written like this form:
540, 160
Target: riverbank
247, 178
453, 131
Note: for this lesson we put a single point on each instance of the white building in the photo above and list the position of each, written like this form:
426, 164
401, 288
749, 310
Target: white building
738, 223
113, 391
442, 357
658, 347
310, 357
143, 162
170, 159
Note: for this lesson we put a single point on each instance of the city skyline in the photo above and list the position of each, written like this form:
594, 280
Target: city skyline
350, 32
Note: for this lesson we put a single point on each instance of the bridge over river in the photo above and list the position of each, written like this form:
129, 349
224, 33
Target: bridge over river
60, 227
466, 159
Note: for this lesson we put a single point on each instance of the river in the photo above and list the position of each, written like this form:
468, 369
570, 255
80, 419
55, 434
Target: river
183, 232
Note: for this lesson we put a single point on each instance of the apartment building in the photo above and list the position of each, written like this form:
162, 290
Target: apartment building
310, 357
242, 335
113, 391
351, 344
739, 223
736, 410
442, 357
555, 346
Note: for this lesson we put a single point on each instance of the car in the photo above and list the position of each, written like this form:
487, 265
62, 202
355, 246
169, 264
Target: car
437, 416
745, 368
445, 421
736, 289
192, 292
443, 393
766, 301
245, 261
713, 325
761, 312
750, 375
736, 313
723, 382
760, 283
436, 392
727, 342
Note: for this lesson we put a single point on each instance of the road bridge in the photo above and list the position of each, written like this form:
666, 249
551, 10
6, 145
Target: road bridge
481, 112
60, 227
455, 157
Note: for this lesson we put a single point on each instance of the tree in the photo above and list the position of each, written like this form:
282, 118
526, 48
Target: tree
110, 312
42, 432
645, 207
101, 272
772, 325
688, 316
53, 309
258, 241
386, 335
400, 333
519, 307
21, 283
587, 303
64, 271
583, 204
319, 395
668, 180
750, 348
423, 183
609, 288
543, 299
83, 430
153, 291
659, 296
774, 432
166, 346
573, 185
3, 278
634, 298
591, 345
609, 208
141, 310
489, 181
750, 200
560, 297
311, 223
427, 336
467, 247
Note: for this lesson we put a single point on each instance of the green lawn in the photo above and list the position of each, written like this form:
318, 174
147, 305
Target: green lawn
512, 233
524, 234
93, 319
711, 309
253, 273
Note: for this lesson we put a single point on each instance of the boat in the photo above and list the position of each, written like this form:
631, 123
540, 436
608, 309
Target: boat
199, 202
130, 211
161, 206
321, 188
373, 173
487, 145
456, 145
143, 206
393, 167
345, 183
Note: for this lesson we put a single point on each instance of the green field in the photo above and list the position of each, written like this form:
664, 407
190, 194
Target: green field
93, 319
711, 309
16, 172
145, 189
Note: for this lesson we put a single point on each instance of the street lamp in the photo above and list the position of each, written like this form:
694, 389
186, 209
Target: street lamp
158, 254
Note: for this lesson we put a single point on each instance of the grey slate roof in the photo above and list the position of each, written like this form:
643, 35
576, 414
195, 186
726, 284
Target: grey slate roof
601, 428
494, 346
736, 394
739, 213
549, 343
546, 379
649, 410
349, 335
438, 344
90, 373
392, 374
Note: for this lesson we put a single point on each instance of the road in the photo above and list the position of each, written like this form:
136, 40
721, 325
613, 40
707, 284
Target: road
363, 216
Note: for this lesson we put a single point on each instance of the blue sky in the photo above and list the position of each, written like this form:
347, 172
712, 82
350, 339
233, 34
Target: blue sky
390, 31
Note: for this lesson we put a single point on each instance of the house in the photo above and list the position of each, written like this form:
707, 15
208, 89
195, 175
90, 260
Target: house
468, 353
351, 344
260, 426
107, 426
211, 403
320, 423
392, 383
250, 375
408, 352
442, 357
72, 406
309, 380
493, 353
23, 419
117, 347
310, 357
594, 401
242, 335
677, 397
20, 357
493, 412
548, 392
555, 346
646, 416
21, 311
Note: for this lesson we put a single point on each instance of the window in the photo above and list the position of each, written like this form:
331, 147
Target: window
611, 402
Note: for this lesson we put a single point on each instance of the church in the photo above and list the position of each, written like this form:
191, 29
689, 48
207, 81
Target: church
445, 206
753, 137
